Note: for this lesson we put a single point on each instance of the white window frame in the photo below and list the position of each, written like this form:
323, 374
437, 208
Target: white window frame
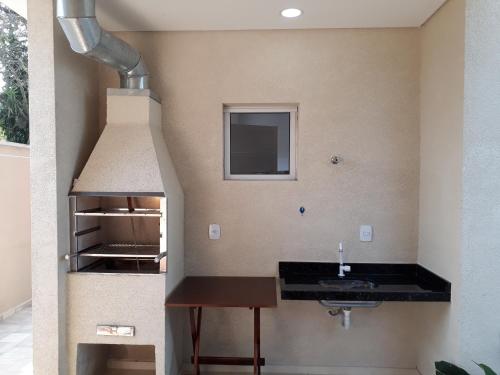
292, 109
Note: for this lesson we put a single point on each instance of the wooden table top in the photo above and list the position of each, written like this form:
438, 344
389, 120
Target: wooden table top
217, 291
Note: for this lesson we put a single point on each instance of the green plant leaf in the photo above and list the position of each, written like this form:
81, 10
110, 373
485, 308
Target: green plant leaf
487, 370
447, 368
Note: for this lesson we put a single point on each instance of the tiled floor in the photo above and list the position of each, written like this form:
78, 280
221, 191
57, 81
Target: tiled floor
16, 343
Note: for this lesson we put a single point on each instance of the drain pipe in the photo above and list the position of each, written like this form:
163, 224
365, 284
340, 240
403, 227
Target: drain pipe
346, 321
346, 315
344, 309
85, 35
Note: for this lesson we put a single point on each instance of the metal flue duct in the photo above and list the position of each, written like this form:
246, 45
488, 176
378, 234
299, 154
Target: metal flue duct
77, 19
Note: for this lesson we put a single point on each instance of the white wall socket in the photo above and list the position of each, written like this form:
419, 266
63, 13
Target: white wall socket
214, 231
366, 233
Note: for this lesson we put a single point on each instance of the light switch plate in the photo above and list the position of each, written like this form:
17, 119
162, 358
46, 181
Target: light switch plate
214, 231
112, 330
366, 233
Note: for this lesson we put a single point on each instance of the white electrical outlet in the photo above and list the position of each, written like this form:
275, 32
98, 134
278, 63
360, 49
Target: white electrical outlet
214, 231
366, 233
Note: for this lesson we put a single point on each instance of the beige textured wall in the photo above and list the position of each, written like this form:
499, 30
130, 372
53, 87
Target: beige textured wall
357, 92
441, 127
15, 238
63, 120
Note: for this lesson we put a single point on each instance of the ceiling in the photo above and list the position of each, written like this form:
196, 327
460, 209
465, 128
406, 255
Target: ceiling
162, 15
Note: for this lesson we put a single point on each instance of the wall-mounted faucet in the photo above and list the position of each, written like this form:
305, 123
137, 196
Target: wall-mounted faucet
342, 268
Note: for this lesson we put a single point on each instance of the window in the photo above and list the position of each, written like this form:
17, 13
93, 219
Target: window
259, 142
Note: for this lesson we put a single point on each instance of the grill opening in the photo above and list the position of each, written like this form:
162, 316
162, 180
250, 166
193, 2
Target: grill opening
118, 234
113, 359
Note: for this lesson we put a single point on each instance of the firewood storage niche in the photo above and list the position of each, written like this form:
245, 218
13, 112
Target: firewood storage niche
118, 233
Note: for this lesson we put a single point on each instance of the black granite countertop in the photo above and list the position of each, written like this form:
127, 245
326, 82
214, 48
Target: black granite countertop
390, 282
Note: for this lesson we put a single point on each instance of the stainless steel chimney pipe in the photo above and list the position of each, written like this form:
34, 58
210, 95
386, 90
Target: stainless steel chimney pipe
85, 35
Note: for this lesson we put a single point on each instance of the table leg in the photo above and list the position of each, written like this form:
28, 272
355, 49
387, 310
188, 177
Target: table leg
195, 336
256, 341
193, 326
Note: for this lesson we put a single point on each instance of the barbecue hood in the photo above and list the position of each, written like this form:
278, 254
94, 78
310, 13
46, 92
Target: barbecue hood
130, 157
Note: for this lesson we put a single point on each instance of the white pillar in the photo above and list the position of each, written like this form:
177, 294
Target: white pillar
63, 128
480, 258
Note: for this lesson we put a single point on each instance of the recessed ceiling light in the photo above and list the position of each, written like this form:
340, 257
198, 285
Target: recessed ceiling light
291, 12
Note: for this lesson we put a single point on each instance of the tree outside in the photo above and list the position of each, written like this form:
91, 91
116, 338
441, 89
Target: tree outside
14, 114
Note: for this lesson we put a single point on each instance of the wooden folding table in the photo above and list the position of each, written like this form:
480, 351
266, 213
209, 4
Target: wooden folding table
196, 293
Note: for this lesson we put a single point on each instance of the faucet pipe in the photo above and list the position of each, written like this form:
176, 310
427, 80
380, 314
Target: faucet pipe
342, 268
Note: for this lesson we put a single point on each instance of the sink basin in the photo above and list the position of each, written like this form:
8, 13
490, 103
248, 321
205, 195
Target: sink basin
346, 284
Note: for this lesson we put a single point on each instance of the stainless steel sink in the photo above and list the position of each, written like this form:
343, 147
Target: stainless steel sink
337, 284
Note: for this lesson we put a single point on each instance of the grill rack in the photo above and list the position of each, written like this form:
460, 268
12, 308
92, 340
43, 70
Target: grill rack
106, 255
125, 212
116, 250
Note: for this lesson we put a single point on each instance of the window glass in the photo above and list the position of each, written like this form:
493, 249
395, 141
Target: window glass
260, 143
